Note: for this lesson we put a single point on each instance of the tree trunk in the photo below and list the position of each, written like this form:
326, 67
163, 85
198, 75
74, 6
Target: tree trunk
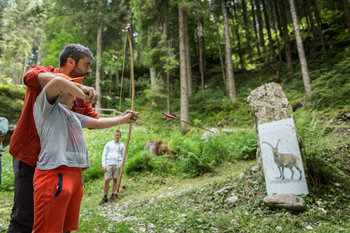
236, 29
247, 31
255, 29
99, 64
153, 85
165, 33
301, 52
188, 57
15, 71
228, 56
319, 26
220, 53
183, 75
345, 7
168, 91
285, 36
261, 29
268, 28
24, 68
311, 19
201, 52
39, 53
117, 79
277, 24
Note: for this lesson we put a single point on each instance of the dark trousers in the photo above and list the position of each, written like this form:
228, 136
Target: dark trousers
22, 215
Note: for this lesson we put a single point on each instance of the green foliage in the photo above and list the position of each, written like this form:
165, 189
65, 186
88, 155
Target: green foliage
21, 33
155, 93
7, 177
11, 101
215, 107
320, 143
332, 88
139, 163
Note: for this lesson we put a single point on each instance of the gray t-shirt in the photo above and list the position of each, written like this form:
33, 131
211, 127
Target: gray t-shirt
61, 136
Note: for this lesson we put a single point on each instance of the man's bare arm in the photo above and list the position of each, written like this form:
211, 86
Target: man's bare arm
102, 123
46, 77
58, 85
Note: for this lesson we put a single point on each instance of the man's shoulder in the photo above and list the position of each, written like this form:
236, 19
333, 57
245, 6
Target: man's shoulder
44, 68
109, 143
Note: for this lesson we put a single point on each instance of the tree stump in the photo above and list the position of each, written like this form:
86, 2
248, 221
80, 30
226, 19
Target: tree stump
268, 103
158, 148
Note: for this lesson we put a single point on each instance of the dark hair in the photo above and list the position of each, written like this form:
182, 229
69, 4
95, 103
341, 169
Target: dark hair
118, 131
75, 51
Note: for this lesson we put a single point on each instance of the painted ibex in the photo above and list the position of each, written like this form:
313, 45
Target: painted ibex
283, 160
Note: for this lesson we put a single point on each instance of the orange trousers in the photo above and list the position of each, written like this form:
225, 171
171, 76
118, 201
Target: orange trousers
57, 198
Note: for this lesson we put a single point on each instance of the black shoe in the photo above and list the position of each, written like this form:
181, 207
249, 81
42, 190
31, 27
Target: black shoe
112, 198
104, 200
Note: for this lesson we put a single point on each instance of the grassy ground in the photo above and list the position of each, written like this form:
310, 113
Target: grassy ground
150, 203
192, 205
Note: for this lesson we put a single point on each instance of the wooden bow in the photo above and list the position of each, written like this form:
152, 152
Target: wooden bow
132, 108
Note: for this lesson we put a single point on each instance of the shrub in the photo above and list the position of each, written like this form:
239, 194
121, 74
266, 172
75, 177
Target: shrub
163, 166
139, 163
7, 177
318, 143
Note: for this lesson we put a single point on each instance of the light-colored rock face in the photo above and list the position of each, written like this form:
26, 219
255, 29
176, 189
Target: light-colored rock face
286, 201
268, 103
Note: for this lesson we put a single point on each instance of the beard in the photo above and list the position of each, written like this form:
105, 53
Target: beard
76, 72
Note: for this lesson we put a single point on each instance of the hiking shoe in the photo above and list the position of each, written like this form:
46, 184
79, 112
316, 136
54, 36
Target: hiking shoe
112, 198
104, 200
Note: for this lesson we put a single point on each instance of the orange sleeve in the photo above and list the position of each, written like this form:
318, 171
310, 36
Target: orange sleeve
89, 111
30, 78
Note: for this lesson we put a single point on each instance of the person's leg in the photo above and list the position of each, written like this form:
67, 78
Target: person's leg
105, 192
53, 192
71, 221
108, 177
106, 187
114, 187
22, 215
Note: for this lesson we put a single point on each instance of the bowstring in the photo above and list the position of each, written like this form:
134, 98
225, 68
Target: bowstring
121, 84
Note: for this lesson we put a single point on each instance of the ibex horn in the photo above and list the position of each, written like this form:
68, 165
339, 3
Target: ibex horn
278, 143
268, 144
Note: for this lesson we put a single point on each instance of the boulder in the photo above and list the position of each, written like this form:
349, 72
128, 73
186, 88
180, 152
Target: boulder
268, 103
232, 199
214, 132
285, 201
